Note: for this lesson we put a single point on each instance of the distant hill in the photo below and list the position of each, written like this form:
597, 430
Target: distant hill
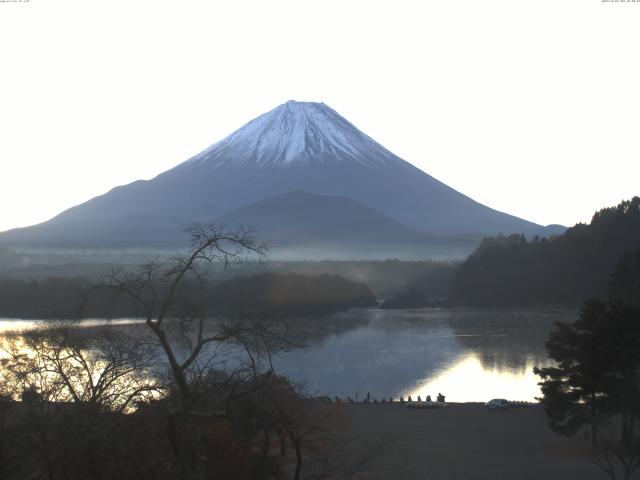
297, 147
566, 269
298, 216
301, 224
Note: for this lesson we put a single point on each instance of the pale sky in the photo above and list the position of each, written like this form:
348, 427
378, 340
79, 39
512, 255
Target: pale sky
529, 106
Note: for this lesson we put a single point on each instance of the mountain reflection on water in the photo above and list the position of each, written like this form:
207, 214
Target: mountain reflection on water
465, 354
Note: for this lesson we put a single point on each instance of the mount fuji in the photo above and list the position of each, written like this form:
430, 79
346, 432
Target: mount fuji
301, 173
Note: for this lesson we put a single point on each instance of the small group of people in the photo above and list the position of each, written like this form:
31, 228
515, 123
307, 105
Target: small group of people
369, 399
439, 398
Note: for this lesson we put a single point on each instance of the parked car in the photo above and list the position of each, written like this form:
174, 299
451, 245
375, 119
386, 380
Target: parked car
497, 404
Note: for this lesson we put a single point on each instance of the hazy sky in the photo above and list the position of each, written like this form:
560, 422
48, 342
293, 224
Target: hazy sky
531, 107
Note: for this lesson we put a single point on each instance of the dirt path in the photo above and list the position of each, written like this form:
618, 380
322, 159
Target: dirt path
466, 442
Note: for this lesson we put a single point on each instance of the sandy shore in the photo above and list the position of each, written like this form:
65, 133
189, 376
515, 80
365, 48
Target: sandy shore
466, 441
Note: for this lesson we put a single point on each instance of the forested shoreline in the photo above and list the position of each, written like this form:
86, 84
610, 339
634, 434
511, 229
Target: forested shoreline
562, 270
265, 295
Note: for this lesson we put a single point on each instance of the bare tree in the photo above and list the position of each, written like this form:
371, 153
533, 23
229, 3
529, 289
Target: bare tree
75, 384
213, 418
308, 425
10, 461
63, 363
211, 361
617, 458
158, 291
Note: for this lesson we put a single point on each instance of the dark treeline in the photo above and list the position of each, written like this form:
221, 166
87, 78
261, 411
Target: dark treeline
562, 270
384, 277
260, 295
286, 294
46, 298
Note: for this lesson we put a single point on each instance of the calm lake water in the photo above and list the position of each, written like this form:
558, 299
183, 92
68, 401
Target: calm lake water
465, 354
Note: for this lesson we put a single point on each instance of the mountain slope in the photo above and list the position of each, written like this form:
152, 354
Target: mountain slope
303, 225
298, 146
298, 216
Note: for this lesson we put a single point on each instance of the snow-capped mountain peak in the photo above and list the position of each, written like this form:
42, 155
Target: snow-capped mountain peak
346, 182
295, 133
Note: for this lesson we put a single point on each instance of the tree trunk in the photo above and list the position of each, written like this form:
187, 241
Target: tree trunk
172, 436
625, 430
298, 461
283, 444
266, 445
178, 374
594, 427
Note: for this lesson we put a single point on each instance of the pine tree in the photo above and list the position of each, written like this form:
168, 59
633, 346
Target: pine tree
575, 392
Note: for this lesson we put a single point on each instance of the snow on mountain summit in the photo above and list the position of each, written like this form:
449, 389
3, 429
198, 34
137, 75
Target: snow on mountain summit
295, 133
249, 177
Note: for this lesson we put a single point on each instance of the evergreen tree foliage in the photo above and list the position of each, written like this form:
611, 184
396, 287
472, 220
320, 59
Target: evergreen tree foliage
624, 283
597, 376
561, 270
575, 392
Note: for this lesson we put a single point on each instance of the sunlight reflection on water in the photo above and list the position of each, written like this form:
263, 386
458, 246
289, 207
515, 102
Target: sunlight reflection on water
467, 355
9, 325
467, 379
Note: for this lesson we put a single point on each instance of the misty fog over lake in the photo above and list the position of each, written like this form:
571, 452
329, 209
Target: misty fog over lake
465, 354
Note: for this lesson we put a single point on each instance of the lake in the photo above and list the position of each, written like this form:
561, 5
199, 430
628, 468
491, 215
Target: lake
465, 354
